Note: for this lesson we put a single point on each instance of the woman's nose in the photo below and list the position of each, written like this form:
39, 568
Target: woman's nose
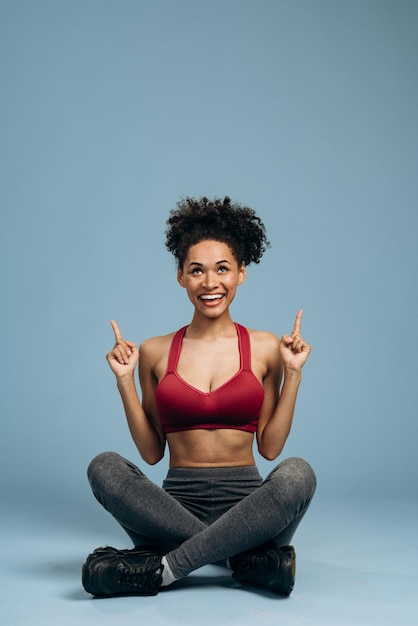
210, 281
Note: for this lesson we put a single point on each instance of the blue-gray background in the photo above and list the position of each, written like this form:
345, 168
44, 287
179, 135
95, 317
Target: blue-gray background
113, 110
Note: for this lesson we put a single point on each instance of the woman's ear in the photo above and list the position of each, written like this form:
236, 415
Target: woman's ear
242, 274
180, 276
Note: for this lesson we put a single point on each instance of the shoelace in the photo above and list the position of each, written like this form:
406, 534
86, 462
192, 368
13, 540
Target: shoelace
260, 564
138, 578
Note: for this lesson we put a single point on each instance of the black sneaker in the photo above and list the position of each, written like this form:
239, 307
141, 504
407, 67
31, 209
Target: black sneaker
266, 566
110, 572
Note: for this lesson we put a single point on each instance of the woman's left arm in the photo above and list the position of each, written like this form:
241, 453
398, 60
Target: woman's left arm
278, 408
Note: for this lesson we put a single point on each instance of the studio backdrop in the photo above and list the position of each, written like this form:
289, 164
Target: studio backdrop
112, 111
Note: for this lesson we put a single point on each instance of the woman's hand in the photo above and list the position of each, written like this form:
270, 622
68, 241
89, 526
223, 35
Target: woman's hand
294, 350
124, 356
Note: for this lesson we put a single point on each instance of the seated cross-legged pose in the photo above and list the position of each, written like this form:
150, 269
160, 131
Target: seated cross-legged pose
206, 391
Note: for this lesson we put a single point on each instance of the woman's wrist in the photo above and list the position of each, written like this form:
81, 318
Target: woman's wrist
292, 374
127, 380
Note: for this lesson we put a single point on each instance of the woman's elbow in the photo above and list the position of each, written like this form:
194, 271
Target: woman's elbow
270, 455
270, 452
152, 455
152, 459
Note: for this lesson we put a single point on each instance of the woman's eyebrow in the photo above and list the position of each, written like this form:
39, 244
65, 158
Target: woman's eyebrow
217, 262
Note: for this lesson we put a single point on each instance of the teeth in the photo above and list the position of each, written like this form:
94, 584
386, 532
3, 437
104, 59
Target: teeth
212, 297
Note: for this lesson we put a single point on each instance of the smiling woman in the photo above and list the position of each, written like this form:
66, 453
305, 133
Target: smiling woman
211, 275
207, 390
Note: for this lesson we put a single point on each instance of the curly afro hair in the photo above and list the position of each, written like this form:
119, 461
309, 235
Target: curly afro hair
221, 220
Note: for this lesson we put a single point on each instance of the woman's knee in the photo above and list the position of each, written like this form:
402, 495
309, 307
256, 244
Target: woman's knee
299, 473
101, 466
303, 469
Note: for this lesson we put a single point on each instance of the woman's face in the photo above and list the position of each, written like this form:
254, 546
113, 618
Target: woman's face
211, 275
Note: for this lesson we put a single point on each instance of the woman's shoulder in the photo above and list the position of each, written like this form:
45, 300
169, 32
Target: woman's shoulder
265, 350
264, 338
156, 346
265, 346
157, 342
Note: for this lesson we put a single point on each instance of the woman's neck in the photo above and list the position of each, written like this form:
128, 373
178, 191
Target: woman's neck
210, 327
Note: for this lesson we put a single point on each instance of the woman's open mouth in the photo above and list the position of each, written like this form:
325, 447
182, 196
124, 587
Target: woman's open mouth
211, 299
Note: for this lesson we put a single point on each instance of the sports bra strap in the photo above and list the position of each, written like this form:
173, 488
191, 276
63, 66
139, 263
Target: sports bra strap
244, 347
173, 355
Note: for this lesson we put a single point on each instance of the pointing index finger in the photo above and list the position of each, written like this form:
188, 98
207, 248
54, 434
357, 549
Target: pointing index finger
118, 334
298, 320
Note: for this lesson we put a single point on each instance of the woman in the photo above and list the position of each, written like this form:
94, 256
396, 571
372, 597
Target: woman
207, 389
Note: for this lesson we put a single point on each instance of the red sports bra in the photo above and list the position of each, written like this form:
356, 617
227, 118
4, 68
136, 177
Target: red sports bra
236, 404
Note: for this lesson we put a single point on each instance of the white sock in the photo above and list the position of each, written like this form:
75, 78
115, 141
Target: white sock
167, 575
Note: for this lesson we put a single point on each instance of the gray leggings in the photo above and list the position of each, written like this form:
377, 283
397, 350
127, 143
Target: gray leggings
204, 515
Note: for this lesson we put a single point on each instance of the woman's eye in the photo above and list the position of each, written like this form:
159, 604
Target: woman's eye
196, 270
223, 268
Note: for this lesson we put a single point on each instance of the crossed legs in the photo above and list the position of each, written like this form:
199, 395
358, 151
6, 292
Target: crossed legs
270, 510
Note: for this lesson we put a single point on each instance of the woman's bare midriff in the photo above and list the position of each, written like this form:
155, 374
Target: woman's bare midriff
211, 448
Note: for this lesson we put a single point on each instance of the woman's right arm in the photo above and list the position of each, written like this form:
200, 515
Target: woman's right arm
142, 419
